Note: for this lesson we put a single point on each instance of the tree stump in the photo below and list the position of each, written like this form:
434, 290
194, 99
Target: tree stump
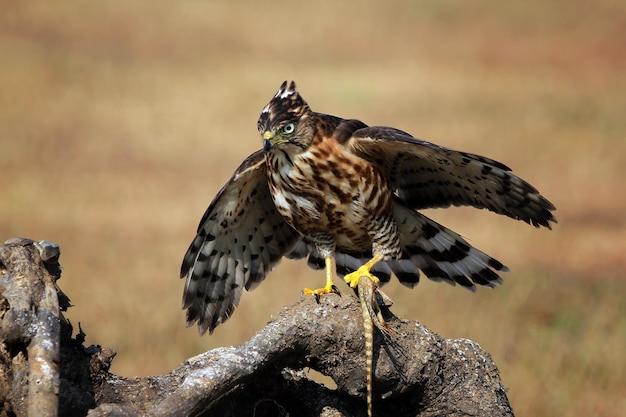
44, 371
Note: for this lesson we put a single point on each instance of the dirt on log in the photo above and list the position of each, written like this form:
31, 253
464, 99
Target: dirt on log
45, 371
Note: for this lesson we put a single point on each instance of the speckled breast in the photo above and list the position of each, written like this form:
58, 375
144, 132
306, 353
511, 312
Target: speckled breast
328, 190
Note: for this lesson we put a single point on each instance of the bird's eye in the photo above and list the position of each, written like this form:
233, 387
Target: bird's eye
289, 128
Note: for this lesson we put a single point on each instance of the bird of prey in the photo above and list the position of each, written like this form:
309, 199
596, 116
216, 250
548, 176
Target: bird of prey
345, 195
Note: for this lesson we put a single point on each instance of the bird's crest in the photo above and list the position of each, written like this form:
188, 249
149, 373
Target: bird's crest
287, 104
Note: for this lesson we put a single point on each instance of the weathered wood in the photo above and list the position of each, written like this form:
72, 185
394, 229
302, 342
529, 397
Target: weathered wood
31, 319
418, 373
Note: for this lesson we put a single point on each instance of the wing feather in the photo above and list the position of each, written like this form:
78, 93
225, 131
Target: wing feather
240, 238
425, 175
441, 254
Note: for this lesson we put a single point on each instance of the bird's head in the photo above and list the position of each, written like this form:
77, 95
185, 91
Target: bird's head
286, 120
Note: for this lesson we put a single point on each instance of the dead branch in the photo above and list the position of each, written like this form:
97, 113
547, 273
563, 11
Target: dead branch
31, 320
416, 372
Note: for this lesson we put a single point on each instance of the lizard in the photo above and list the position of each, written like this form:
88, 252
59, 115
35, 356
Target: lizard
371, 299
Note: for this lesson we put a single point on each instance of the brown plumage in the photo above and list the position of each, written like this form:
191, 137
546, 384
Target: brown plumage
342, 193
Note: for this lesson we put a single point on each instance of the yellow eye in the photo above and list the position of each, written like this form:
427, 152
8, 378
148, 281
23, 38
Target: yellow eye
289, 128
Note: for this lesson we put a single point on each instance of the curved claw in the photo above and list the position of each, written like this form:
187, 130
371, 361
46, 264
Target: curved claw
352, 279
329, 287
320, 291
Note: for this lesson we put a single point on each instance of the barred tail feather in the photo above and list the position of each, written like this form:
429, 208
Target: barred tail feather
440, 253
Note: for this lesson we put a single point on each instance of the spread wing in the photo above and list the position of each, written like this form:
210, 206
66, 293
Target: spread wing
425, 175
240, 238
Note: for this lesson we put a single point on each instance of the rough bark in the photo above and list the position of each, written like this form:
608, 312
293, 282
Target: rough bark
416, 372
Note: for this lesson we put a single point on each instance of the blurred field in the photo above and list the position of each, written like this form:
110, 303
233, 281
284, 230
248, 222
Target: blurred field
119, 122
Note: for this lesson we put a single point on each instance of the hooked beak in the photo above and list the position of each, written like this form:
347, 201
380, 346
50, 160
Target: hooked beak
268, 141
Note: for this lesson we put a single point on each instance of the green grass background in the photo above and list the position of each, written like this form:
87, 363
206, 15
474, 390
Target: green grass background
119, 122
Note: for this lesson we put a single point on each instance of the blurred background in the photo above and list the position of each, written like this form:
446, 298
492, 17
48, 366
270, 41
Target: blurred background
119, 122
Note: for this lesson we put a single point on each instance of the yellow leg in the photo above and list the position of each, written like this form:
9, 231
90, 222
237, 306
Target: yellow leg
330, 286
352, 279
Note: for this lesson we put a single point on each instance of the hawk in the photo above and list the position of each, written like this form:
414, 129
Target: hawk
345, 195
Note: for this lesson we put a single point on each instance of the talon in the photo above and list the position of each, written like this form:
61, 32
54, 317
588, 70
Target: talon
336, 290
352, 279
328, 289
